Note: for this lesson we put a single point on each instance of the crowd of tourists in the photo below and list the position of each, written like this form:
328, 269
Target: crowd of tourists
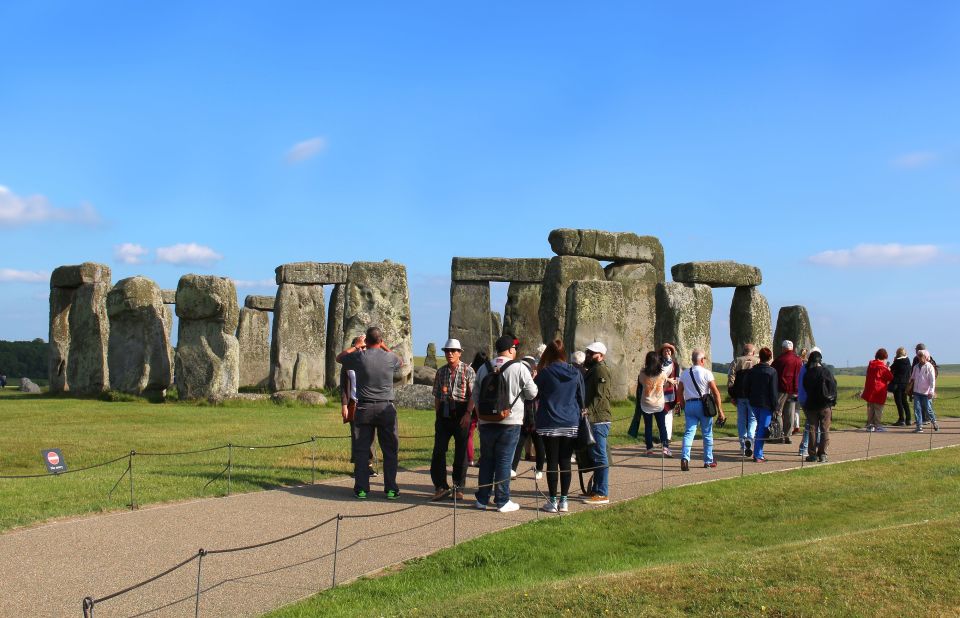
557, 408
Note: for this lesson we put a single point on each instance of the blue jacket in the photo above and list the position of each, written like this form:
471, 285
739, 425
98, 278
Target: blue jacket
761, 387
562, 394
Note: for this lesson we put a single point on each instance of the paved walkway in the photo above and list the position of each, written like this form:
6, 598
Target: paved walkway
49, 569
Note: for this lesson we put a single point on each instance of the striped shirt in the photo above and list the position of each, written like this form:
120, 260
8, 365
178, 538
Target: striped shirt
457, 384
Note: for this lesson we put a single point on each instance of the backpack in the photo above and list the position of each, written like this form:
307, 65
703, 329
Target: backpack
489, 394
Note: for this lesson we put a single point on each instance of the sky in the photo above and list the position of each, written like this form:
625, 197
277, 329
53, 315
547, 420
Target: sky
818, 141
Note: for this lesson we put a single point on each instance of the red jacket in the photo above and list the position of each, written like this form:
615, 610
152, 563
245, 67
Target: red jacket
788, 369
875, 386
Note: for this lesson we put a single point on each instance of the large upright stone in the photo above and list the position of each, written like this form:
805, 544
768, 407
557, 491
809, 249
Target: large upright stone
793, 323
207, 364
607, 246
717, 274
639, 283
298, 350
561, 272
76, 275
312, 273
496, 325
683, 318
749, 320
335, 342
595, 312
430, 360
253, 337
378, 295
526, 270
59, 336
470, 317
141, 357
521, 316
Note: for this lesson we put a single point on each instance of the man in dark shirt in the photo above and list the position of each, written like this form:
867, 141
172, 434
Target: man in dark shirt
375, 368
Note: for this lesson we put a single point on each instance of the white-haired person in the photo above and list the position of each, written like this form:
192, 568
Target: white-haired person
788, 373
924, 379
696, 383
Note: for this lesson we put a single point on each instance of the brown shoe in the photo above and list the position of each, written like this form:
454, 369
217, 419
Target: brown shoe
440, 494
459, 496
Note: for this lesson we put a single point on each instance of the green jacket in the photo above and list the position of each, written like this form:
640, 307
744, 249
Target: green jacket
598, 383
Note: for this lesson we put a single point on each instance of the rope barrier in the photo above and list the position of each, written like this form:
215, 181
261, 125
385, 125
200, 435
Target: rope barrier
74, 471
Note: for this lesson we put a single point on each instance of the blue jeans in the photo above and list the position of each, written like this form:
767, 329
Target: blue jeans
693, 414
661, 419
922, 404
598, 452
764, 417
746, 421
497, 445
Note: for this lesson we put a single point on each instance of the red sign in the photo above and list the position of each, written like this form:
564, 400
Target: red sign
53, 458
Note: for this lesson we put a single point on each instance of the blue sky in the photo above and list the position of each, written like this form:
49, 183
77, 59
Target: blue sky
818, 141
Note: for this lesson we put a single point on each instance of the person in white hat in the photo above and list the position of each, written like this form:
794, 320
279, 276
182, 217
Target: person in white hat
452, 389
598, 382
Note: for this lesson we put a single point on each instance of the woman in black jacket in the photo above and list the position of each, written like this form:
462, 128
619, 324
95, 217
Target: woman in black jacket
761, 389
898, 386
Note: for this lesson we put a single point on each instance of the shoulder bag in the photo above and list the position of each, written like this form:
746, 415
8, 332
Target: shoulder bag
709, 404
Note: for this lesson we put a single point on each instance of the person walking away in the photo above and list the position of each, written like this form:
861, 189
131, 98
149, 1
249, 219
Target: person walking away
375, 368
599, 383
479, 360
798, 407
500, 415
668, 355
808, 433
529, 438
875, 389
451, 396
561, 400
924, 380
821, 391
650, 402
787, 366
900, 369
761, 390
695, 384
736, 377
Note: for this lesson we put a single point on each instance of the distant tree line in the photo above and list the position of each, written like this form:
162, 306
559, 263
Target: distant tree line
24, 359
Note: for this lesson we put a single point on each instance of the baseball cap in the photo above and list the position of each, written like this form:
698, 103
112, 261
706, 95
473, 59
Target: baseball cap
506, 342
597, 347
787, 344
452, 344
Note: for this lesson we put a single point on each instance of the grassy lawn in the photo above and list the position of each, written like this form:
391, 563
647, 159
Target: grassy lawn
877, 538
90, 431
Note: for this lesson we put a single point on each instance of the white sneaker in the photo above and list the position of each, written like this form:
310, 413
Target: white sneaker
480, 506
549, 507
563, 506
513, 474
509, 507
538, 475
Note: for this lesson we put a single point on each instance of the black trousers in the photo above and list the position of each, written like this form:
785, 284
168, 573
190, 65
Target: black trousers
537, 445
903, 410
444, 429
559, 451
382, 418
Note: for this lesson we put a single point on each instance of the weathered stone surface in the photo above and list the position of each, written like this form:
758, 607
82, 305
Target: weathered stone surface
717, 274
335, 343
430, 360
378, 295
260, 303
424, 375
60, 301
207, 360
595, 312
298, 349
683, 318
470, 317
87, 370
253, 337
496, 325
607, 246
793, 323
561, 272
76, 275
414, 396
28, 386
312, 273
140, 353
169, 297
526, 270
311, 398
749, 320
521, 316
639, 283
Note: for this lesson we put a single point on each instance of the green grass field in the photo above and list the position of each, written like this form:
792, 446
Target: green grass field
877, 538
91, 431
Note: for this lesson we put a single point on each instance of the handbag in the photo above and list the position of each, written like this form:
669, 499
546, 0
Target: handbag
585, 437
709, 404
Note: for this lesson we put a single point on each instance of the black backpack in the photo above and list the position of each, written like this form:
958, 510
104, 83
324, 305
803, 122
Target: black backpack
489, 395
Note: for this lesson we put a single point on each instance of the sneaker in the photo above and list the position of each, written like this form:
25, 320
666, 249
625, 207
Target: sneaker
359, 494
373, 472
936, 426
918, 430
685, 465
759, 459
458, 495
509, 507
550, 506
748, 449
869, 427
787, 440
597, 500
513, 474
473, 464
649, 451
563, 506
667, 453
881, 428
440, 494
796, 430
538, 475
822, 458
480, 506
710, 464
810, 458
898, 424
393, 494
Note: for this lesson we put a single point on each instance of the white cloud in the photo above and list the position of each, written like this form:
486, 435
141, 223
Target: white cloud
188, 253
17, 210
9, 275
254, 284
306, 149
129, 253
866, 255
914, 160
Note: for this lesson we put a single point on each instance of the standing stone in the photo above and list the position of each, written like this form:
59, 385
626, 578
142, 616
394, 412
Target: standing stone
683, 318
79, 329
749, 320
595, 312
521, 316
141, 357
207, 362
561, 272
793, 323
253, 337
639, 283
470, 317
60, 301
335, 343
496, 326
608, 246
298, 350
430, 360
169, 297
378, 295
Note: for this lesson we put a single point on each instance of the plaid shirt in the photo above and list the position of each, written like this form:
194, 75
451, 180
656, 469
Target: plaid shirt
458, 384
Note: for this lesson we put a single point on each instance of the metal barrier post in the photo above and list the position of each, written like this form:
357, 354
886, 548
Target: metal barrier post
662, 471
455, 490
229, 466
930, 446
133, 503
336, 549
196, 606
743, 458
313, 459
869, 440
87, 607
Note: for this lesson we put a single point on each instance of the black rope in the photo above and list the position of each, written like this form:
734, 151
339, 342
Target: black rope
174, 453
266, 446
230, 550
37, 476
146, 581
